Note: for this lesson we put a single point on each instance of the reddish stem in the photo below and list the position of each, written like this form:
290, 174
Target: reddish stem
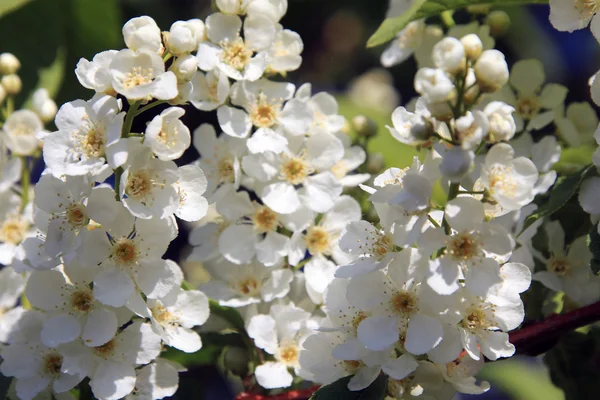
527, 340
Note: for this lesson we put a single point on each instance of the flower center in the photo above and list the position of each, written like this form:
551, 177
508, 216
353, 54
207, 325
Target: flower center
138, 76
263, 114
382, 245
586, 8
167, 138
560, 266
21, 129
358, 318
13, 231
76, 215
404, 303
464, 246
476, 320
226, 170
236, 54
295, 170
248, 287
264, 220
53, 364
125, 252
499, 180
528, 107
106, 350
139, 184
82, 300
161, 315
318, 240
94, 143
340, 169
289, 354
351, 366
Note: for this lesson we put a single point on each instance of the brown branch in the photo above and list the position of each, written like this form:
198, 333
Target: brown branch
302, 394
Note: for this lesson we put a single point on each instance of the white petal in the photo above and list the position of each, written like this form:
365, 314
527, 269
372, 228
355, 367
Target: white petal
423, 334
100, 327
271, 375
113, 287
400, 367
378, 333
234, 122
183, 339
112, 380
59, 330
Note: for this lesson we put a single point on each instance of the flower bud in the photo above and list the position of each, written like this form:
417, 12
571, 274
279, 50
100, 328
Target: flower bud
43, 105
182, 38
184, 68
456, 163
9, 64
471, 129
434, 85
449, 55
472, 90
12, 84
142, 33
491, 71
364, 126
473, 46
2, 94
502, 123
499, 22
375, 163
199, 30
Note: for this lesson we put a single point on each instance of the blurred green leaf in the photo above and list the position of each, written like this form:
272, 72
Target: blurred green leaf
4, 385
573, 364
521, 380
229, 314
562, 191
7, 6
573, 158
339, 390
430, 8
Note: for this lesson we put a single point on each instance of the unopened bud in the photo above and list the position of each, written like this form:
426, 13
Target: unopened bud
12, 84
499, 22
491, 71
473, 46
236, 360
43, 105
364, 126
375, 163
184, 68
9, 64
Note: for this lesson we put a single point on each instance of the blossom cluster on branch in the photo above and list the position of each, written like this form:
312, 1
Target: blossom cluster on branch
421, 294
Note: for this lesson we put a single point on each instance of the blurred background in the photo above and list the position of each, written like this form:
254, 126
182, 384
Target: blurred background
49, 37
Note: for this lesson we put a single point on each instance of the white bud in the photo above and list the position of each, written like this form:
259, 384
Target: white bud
21, 129
449, 55
182, 38
473, 46
456, 162
9, 64
12, 84
230, 6
199, 30
471, 129
184, 68
43, 105
502, 123
434, 85
142, 33
491, 71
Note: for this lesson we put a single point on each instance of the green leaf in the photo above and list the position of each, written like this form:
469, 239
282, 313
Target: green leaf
229, 314
391, 26
574, 158
338, 390
430, 8
8, 6
562, 191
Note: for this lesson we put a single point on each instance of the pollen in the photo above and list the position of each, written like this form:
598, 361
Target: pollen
13, 230
264, 220
464, 246
226, 170
289, 354
138, 76
351, 365
162, 315
318, 240
476, 320
587, 8
500, 180
76, 215
528, 107
248, 287
236, 54
82, 300
53, 364
106, 350
139, 185
295, 170
263, 113
167, 138
94, 143
404, 303
559, 266
125, 252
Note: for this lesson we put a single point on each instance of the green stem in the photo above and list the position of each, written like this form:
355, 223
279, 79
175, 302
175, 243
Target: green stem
452, 193
433, 221
448, 19
150, 106
25, 182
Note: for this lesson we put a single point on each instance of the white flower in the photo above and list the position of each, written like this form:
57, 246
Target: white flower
142, 33
72, 310
571, 15
407, 41
567, 269
239, 285
147, 186
43, 105
449, 55
239, 59
456, 162
182, 38
473, 46
502, 123
190, 187
491, 71
156, 380
472, 250
534, 102
354, 157
140, 75
11, 288
284, 54
325, 110
95, 74
461, 373
10, 169
15, 226
167, 136
510, 181
88, 136
578, 124
412, 128
281, 334
20, 130
272, 9
544, 155
173, 322
210, 90
471, 129
434, 85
